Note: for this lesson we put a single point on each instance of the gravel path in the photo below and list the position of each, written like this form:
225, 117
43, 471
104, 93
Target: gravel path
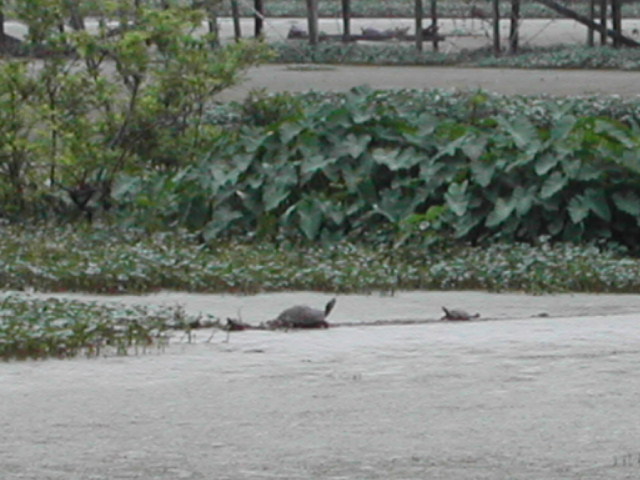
281, 78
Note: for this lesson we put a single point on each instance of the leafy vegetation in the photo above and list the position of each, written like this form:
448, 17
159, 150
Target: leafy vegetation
568, 56
111, 261
40, 328
368, 163
558, 56
122, 99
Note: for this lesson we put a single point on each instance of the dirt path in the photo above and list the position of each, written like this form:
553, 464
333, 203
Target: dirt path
280, 78
544, 398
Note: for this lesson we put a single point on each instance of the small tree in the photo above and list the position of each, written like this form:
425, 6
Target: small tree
129, 100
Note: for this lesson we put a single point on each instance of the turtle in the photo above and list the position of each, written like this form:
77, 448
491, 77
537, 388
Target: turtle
302, 316
458, 314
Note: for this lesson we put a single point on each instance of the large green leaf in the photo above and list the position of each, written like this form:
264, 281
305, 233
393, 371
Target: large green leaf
312, 164
546, 162
353, 145
396, 159
553, 184
614, 130
289, 130
501, 211
464, 224
483, 172
523, 133
278, 188
524, 199
222, 218
474, 147
577, 208
596, 201
628, 202
562, 127
310, 215
450, 148
457, 198
395, 206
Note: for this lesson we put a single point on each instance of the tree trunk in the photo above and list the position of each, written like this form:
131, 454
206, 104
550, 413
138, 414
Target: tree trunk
2, 34
592, 17
603, 22
515, 26
312, 17
434, 25
346, 20
616, 21
496, 27
419, 13
75, 17
235, 13
212, 21
258, 6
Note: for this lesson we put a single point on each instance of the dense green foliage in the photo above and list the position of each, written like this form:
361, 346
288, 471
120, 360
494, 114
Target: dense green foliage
557, 56
39, 328
384, 165
112, 261
98, 104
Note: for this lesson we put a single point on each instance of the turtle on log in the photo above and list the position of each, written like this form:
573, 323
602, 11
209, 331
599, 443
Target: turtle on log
458, 315
302, 316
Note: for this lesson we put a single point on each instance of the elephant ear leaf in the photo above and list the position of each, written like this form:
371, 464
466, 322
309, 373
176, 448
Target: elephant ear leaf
223, 217
310, 215
553, 184
628, 202
501, 211
596, 201
523, 133
457, 198
578, 209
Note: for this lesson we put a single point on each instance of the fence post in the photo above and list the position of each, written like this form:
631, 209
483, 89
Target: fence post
312, 16
346, 20
603, 22
616, 21
434, 24
235, 13
258, 6
496, 27
515, 26
419, 13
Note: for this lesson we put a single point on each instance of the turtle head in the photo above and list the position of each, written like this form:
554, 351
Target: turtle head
328, 307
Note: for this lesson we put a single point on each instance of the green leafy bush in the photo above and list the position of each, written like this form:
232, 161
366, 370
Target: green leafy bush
370, 163
129, 98
116, 261
39, 328
557, 56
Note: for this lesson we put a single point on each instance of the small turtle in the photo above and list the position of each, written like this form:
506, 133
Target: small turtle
457, 314
302, 316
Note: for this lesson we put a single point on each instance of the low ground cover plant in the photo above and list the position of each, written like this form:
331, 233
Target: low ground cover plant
111, 260
40, 328
558, 56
